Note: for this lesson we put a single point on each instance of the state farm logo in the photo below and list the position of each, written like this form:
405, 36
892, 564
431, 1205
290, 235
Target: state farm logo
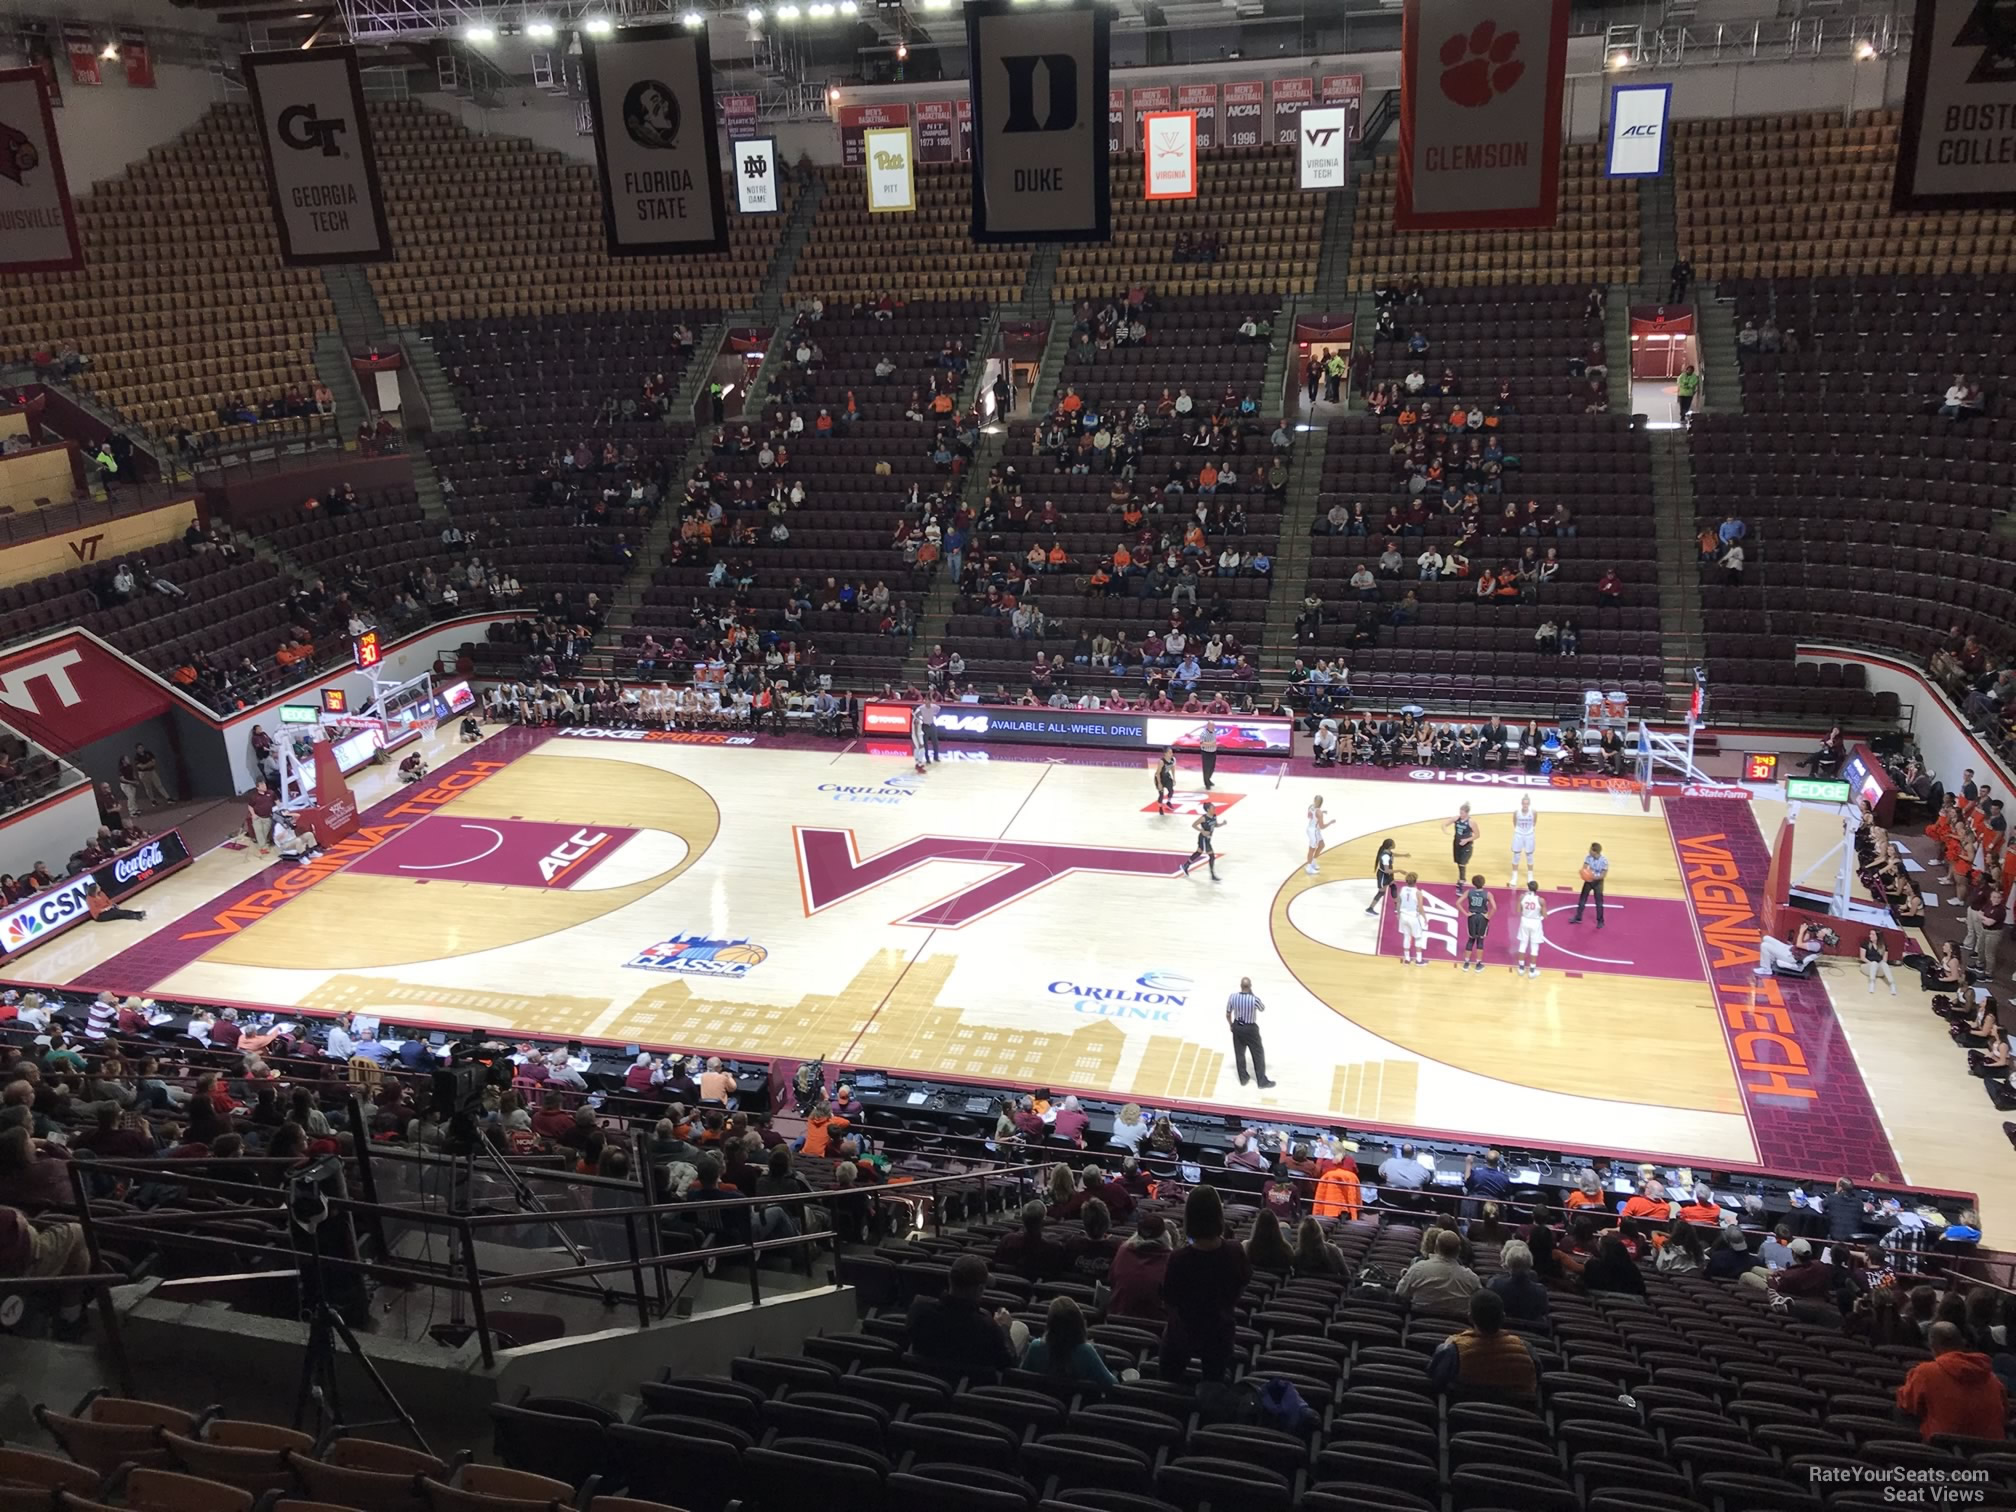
570, 853
1481, 64
129, 868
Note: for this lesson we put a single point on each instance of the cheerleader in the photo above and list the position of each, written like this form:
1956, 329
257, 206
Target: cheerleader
1315, 822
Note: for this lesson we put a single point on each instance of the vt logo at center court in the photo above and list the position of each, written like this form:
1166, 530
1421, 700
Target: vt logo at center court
998, 872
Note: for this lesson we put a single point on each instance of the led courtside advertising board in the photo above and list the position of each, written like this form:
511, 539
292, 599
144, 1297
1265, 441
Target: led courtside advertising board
1816, 790
1002, 725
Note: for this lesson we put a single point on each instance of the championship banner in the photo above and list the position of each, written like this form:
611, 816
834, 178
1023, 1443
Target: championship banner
756, 176
1325, 151
1170, 168
965, 109
1201, 100
137, 56
892, 183
655, 149
1290, 98
41, 56
1244, 106
856, 120
738, 116
1116, 120
1036, 81
38, 228
1480, 114
936, 122
1347, 91
1146, 103
83, 53
321, 172
1956, 147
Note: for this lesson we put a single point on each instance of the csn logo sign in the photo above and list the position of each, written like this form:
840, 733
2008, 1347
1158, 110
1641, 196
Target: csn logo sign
26, 924
1153, 997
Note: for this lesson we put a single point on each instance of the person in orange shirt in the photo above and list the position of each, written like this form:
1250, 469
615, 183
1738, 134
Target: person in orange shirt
1703, 1209
1207, 478
1650, 1202
1193, 538
1100, 579
1071, 404
1122, 557
1588, 1192
1059, 558
1956, 1391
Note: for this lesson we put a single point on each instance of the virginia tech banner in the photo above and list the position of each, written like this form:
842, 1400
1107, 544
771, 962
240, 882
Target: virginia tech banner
1480, 114
38, 229
1037, 80
652, 88
1956, 149
321, 172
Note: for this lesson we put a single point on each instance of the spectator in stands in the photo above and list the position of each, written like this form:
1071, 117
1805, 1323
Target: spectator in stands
1732, 565
1963, 399
1201, 1289
1611, 1268
1681, 277
1956, 1391
1440, 1280
1516, 1287
1483, 1359
1066, 1351
1488, 1182
1138, 1270
1731, 1256
1030, 1252
956, 1329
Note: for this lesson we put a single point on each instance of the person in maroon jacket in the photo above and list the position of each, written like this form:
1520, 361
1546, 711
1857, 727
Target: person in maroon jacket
1137, 1271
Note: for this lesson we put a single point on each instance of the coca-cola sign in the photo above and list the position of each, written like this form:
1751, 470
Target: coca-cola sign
130, 868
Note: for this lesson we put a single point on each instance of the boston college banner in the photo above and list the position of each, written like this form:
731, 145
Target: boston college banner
321, 173
656, 151
38, 230
1480, 114
1956, 149
1037, 79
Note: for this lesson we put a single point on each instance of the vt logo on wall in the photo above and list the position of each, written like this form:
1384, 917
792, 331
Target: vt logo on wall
1039, 164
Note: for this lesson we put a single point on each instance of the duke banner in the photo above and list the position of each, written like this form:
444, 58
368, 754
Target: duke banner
1039, 162
1480, 114
656, 151
1956, 148
38, 228
321, 173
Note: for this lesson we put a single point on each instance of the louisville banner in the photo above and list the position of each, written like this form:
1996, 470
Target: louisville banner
936, 127
856, 121
655, 148
38, 228
756, 175
738, 116
70, 690
41, 55
136, 56
1480, 114
1146, 103
1037, 77
1346, 92
1245, 104
1170, 168
1289, 98
321, 172
1956, 148
82, 52
1116, 120
892, 180
1201, 100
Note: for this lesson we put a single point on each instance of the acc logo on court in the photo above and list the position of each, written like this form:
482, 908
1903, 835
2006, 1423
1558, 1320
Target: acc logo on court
570, 852
700, 955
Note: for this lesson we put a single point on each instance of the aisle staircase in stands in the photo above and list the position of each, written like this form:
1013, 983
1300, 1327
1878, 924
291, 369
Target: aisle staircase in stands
1715, 328
332, 366
1050, 369
1658, 241
443, 407
1292, 561
1680, 625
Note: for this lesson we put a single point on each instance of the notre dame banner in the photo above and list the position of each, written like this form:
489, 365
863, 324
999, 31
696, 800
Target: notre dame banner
1038, 85
652, 91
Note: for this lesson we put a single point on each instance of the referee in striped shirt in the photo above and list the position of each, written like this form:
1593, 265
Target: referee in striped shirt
1242, 1014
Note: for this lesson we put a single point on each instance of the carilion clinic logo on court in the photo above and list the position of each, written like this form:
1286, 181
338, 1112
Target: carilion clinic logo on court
884, 794
1152, 997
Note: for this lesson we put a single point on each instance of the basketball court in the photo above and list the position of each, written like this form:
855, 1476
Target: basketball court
1025, 919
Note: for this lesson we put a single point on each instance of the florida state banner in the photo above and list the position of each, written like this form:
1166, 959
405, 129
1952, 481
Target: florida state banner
1039, 155
1956, 148
655, 147
321, 172
1480, 114
38, 228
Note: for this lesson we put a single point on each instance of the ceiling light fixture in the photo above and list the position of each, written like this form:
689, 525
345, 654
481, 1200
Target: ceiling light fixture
479, 34
540, 31
598, 26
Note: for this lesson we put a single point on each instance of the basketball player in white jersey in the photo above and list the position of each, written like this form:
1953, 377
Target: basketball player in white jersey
1532, 914
917, 736
1524, 824
1413, 928
1315, 822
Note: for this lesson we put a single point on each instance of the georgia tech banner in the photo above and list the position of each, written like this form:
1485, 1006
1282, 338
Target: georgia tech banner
652, 90
1039, 151
321, 172
38, 228
1480, 114
1956, 148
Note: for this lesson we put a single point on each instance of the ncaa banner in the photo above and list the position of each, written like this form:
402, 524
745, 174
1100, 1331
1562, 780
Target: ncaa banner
756, 176
1116, 121
1325, 151
1146, 103
1037, 77
1956, 148
937, 124
1170, 169
1289, 98
1244, 105
1201, 100
652, 88
38, 228
1480, 114
892, 184
321, 172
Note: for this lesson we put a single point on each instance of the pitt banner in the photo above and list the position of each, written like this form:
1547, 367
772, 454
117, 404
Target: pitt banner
1480, 114
1956, 149
892, 184
321, 173
652, 89
38, 229
1039, 154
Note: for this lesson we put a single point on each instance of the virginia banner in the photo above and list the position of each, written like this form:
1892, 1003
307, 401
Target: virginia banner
38, 229
652, 89
321, 172
1956, 148
1480, 114
1037, 79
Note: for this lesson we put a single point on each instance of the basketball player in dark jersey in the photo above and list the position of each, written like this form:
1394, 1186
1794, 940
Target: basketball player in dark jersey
1382, 874
1206, 825
1463, 838
1165, 780
1477, 905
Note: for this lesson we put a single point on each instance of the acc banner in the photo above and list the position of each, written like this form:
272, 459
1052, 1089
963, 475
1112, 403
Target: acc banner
1956, 149
38, 229
892, 183
1201, 100
1171, 161
1244, 104
1037, 78
1480, 114
321, 172
1638, 129
756, 176
660, 163
1325, 151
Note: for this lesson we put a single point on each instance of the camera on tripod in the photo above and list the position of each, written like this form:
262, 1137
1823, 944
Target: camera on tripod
458, 1091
